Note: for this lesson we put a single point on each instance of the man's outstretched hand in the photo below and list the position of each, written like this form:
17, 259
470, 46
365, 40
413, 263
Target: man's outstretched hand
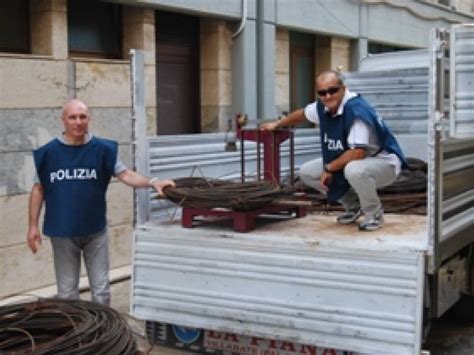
159, 185
269, 126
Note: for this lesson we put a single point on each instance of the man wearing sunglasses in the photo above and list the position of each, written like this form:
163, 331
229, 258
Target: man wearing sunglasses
359, 153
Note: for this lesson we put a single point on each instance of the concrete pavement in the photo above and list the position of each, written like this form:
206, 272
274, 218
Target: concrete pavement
121, 302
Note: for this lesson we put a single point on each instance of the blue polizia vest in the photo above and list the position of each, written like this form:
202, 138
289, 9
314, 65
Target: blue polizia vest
334, 132
74, 181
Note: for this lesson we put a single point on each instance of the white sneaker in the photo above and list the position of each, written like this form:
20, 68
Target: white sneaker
373, 222
350, 216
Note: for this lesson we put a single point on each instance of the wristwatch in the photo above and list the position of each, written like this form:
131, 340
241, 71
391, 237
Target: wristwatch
326, 169
151, 181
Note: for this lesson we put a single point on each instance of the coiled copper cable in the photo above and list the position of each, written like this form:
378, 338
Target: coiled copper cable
209, 193
53, 326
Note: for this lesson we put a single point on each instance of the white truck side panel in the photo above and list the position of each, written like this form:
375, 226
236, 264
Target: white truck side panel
300, 280
462, 81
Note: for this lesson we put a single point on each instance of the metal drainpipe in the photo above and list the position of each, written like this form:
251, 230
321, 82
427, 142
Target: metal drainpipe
260, 21
243, 20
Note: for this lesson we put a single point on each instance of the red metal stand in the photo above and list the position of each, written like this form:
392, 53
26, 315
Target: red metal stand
244, 221
271, 141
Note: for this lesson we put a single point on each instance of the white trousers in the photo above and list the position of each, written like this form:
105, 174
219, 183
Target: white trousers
67, 265
365, 176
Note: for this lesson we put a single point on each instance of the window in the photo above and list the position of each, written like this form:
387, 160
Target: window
14, 26
94, 29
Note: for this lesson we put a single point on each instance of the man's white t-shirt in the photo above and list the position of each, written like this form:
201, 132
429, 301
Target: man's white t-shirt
360, 134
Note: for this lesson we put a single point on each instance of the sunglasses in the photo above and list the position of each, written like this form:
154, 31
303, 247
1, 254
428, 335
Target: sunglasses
331, 91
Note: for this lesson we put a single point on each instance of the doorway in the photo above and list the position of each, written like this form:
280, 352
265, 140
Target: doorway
177, 74
301, 70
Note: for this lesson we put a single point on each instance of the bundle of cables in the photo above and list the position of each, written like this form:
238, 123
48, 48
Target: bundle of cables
407, 194
212, 193
412, 179
52, 326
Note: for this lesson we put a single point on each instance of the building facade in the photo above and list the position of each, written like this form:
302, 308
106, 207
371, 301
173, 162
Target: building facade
205, 60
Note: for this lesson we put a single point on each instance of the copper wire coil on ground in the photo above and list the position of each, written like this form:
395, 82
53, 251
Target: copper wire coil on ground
52, 326
212, 193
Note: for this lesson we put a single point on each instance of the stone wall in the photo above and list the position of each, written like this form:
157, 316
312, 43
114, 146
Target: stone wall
216, 75
282, 70
30, 108
33, 89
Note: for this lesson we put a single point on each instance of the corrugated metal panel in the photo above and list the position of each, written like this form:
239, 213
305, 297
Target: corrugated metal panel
395, 60
400, 96
462, 81
451, 178
179, 154
458, 193
279, 286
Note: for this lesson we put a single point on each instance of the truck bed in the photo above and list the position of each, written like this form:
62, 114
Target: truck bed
306, 280
399, 232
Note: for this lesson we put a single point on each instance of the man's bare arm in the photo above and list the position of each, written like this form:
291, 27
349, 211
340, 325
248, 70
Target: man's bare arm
132, 178
288, 121
34, 210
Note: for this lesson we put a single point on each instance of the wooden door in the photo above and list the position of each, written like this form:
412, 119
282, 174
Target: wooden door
177, 74
301, 70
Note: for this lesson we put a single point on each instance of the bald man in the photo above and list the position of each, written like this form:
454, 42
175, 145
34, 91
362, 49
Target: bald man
359, 153
73, 173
